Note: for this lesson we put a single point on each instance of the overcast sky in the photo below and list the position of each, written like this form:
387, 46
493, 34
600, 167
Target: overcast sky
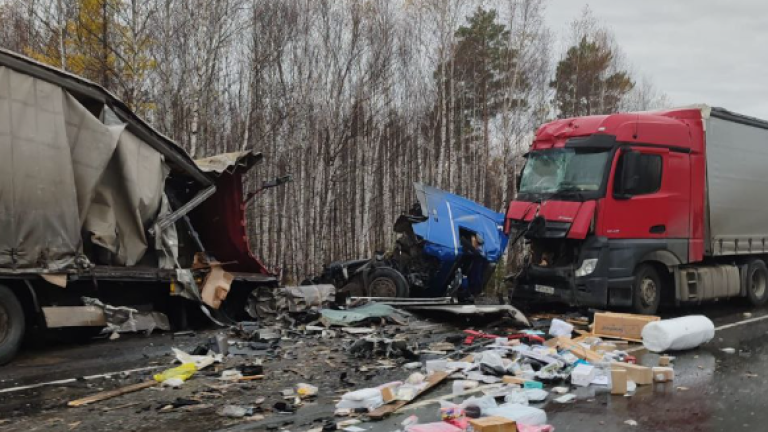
703, 51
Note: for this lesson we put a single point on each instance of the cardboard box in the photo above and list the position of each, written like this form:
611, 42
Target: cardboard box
618, 381
509, 379
621, 326
582, 375
492, 424
641, 375
663, 374
387, 394
664, 361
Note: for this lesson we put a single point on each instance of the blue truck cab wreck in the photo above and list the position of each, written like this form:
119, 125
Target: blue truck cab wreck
448, 246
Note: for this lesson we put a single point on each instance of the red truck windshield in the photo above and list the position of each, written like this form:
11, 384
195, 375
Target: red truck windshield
564, 171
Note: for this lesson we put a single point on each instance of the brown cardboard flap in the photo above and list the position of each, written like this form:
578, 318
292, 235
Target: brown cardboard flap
621, 326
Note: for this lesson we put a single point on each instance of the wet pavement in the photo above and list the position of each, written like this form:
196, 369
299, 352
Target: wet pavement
712, 390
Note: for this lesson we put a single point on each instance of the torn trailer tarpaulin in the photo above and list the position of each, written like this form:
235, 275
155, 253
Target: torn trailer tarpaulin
72, 184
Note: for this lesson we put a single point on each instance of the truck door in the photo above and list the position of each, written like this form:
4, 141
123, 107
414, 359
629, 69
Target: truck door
648, 196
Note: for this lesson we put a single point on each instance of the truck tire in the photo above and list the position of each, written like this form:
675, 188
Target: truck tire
646, 290
757, 282
11, 324
387, 282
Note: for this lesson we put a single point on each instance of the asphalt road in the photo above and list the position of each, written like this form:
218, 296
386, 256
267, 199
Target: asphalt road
713, 390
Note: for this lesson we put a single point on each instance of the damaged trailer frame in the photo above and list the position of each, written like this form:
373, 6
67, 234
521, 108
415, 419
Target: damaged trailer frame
96, 203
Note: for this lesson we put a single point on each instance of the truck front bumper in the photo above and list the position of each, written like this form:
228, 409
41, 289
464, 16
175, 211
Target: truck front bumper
556, 285
561, 285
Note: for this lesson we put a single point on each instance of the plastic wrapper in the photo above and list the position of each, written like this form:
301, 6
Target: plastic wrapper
234, 411
516, 396
449, 411
536, 395
484, 403
305, 390
369, 398
200, 361
678, 333
541, 428
415, 378
492, 363
182, 373
521, 414
231, 375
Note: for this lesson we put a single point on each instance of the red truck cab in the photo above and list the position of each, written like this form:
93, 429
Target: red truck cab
610, 207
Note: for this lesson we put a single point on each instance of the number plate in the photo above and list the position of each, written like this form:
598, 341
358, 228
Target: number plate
545, 289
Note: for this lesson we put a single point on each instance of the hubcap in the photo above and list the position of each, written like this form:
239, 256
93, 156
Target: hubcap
383, 287
758, 284
648, 291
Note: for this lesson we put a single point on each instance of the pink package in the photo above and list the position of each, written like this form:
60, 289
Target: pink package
434, 427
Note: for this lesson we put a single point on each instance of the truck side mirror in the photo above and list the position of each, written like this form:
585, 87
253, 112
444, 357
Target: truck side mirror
628, 176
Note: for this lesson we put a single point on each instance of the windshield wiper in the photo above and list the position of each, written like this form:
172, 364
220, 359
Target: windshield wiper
567, 188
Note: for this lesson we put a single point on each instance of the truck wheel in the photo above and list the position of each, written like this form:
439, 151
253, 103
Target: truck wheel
387, 282
757, 282
646, 291
11, 325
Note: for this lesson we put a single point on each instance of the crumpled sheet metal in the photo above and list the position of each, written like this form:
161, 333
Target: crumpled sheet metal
228, 161
351, 317
303, 297
122, 319
271, 302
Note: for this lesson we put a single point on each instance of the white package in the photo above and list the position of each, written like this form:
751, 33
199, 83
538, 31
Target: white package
582, 375
369, 398
678, 333
560, 328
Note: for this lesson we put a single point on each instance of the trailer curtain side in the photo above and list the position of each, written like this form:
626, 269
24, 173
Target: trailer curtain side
737, 184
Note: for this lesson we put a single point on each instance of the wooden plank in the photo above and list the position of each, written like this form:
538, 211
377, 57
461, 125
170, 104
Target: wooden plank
578, 350
98, 397
385, 410
251, 378
432, 381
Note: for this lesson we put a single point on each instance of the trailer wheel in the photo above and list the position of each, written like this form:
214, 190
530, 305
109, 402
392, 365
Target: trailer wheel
646, 291
757, 282
387, 282
11, 324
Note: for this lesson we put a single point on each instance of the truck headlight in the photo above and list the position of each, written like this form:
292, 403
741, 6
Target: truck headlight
587, 267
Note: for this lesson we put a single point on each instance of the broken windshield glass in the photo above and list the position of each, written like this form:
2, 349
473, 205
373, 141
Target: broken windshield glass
564, 170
